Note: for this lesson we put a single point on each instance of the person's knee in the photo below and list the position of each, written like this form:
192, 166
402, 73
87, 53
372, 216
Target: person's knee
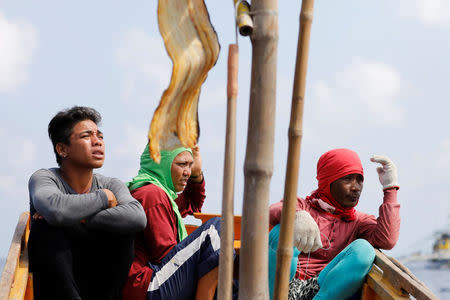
47, 243
122, 247
363, 253
213, 227
215, 222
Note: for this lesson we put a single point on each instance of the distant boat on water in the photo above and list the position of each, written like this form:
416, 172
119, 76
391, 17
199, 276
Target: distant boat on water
440, 254
441, 249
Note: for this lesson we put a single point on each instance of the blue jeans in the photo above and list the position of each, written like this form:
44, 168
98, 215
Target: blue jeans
177, 275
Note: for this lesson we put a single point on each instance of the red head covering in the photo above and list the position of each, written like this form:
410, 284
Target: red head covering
331, 166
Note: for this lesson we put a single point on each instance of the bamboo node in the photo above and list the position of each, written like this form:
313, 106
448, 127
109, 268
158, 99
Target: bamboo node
264, 12
307, 16
284, 251
258, 172
294, 132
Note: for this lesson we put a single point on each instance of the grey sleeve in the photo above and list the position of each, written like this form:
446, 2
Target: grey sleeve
59, 208
127, 217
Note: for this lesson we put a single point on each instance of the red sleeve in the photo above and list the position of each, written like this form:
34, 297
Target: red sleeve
139, 276
192, 198
276, 208
160, 234
382, 232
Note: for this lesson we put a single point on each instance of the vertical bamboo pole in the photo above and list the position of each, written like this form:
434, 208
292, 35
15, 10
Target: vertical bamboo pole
284, 252
258, 167
227, 222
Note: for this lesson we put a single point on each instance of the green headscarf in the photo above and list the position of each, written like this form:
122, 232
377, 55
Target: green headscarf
160, 175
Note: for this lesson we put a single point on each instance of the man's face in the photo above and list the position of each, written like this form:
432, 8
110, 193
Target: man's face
346, 190
86, 148
181, 170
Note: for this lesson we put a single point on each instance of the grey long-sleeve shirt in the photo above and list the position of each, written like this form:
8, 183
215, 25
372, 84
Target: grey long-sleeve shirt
61, 206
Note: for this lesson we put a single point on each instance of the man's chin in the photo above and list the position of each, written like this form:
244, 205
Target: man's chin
352, 203
97, 165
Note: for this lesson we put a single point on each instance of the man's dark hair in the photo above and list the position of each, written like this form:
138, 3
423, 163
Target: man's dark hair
61, 126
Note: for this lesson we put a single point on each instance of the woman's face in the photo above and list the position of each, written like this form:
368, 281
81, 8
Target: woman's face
181, 170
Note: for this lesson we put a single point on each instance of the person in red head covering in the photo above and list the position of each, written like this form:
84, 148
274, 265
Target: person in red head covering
337, 241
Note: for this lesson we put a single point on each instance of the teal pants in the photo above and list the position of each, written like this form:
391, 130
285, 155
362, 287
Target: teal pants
341, 278
345, 274
274, 236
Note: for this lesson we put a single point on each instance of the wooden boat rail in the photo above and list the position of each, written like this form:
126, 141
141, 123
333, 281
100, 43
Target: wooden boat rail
16, 281
388, 279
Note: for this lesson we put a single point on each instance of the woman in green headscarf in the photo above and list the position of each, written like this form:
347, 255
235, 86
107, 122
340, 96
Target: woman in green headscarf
168, 191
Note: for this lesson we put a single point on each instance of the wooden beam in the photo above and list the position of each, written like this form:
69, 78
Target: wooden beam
20, 283
368, 293
12, 260
383, 287
398, 279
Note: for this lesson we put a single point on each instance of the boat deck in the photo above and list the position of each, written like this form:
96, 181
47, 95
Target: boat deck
388, 279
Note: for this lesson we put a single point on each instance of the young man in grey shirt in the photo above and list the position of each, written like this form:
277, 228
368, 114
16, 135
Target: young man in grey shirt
83, 224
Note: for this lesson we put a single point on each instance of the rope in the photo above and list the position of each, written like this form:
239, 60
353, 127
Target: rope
309, 254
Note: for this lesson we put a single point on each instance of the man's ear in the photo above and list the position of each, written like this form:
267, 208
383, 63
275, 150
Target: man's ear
61, 149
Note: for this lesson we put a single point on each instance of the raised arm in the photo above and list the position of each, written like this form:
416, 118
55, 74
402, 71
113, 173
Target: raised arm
383, 232
192, 198
127, 217
58, 208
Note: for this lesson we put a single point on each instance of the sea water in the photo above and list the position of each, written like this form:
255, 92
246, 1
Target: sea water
434, 275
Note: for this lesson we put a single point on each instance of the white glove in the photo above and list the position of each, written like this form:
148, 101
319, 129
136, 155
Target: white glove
306, 233
387, 173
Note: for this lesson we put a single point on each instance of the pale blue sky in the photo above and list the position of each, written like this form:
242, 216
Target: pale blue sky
377, 83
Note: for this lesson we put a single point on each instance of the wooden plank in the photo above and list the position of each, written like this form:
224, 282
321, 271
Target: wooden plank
383, 287
29, 293
190, 228
12, 260
368, 293
237, 222
20, 283
399, 279
207, 285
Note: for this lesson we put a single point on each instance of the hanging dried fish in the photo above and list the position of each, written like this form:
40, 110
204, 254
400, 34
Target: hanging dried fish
193, 47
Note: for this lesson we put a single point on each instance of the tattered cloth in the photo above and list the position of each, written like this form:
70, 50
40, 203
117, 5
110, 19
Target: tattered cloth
303, 289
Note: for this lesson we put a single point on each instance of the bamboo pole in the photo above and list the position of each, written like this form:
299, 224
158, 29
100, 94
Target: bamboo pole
227, 222
258, 167
284, 252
